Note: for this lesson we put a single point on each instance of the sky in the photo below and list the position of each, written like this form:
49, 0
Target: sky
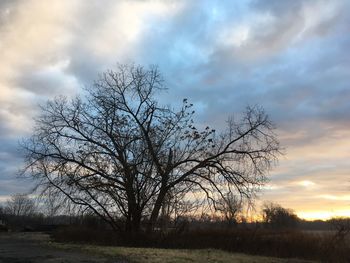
291, 57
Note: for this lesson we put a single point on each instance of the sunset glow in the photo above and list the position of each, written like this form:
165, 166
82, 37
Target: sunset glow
323, 215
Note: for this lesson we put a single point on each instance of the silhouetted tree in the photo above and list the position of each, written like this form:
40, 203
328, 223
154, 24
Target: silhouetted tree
230, 207
342, 227
119, 152
20, 205
275, 216
52, 203
176, 207
2, 214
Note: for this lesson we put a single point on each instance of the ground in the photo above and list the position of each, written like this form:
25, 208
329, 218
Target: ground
37, 248
33, 248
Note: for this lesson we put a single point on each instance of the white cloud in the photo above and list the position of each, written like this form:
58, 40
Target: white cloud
306, 183
335, 197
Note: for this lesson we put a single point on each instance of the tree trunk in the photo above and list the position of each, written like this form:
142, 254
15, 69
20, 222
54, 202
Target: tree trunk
133, 219
133, 222
155, 211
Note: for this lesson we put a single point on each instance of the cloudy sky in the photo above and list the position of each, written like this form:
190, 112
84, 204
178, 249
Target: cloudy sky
291, 57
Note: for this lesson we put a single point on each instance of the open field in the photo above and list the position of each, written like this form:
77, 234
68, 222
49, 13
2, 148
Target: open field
156, 255
37, 248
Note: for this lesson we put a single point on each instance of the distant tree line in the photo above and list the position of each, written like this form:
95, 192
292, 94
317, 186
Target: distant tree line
24, 212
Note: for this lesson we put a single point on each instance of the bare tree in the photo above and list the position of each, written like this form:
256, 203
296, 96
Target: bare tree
20, 205
2, 215
230, 208
119, 152
341, 225
176, 207
52, 203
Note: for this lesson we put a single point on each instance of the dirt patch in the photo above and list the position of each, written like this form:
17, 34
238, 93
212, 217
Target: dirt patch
33, 248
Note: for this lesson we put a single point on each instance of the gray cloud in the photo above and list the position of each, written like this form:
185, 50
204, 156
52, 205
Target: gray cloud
288, 56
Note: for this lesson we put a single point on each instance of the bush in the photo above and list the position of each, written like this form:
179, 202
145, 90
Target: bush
84, 234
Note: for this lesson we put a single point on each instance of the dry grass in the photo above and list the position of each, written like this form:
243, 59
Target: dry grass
307, 245
156, 255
